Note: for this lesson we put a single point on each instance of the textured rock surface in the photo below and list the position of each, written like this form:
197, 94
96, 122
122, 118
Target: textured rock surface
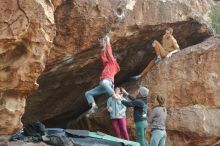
191, 77
194, 125
81, 23
25, 41
4, 141
74, 63
190, 81
195, 73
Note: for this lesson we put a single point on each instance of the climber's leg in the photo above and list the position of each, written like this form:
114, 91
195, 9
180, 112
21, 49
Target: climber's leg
160, 51
148, 68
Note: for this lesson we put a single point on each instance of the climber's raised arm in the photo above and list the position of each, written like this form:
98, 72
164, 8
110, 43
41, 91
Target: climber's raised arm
108, 51
103, 52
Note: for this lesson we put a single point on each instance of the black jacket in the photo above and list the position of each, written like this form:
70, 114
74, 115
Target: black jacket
139, 105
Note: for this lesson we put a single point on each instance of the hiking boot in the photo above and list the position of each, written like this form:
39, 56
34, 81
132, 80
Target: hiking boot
158, 60
136, 77
92, 110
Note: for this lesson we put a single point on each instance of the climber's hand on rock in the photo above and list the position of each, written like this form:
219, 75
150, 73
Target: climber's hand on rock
154, 43
103, 45
107, 40
169, 55
36, 85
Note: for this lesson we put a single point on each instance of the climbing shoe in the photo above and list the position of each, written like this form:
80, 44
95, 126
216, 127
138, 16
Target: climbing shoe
136, 77
158, 60
92, 110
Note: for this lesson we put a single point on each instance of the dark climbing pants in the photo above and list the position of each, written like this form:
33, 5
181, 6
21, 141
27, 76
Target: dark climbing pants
141, 129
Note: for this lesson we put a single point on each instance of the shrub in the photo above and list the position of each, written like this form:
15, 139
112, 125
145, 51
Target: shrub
215, 16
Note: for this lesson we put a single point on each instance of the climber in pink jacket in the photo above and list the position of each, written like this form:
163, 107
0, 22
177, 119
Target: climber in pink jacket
106, 84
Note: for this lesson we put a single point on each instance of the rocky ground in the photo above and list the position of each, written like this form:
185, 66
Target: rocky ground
4, 141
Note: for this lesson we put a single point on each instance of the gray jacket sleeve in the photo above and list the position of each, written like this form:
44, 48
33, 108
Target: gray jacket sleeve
153, 114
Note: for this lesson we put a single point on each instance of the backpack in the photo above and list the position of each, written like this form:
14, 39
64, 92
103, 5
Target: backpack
34, 129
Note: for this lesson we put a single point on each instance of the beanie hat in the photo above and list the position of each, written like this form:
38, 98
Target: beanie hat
143, 91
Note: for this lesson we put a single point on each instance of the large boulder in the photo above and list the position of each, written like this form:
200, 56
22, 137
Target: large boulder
27, 32
189, 77
195, 125
81, 23
74, 63
190, 82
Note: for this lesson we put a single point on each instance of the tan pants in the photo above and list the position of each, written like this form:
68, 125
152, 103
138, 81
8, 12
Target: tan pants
159, 52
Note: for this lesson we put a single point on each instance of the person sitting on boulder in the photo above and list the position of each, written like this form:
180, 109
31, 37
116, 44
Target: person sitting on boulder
167, 49
139, 104
158, 120
117, 113
106, 84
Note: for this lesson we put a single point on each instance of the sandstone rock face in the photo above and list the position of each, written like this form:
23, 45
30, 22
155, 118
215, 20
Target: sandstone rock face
195, 74
81, 23
190, 82
74, 63
194, 125
27, 32
189, 78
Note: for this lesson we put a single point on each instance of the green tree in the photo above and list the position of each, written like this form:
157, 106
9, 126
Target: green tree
215, 16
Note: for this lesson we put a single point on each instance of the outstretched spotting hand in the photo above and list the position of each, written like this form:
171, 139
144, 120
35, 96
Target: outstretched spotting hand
116, 96
124, 91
